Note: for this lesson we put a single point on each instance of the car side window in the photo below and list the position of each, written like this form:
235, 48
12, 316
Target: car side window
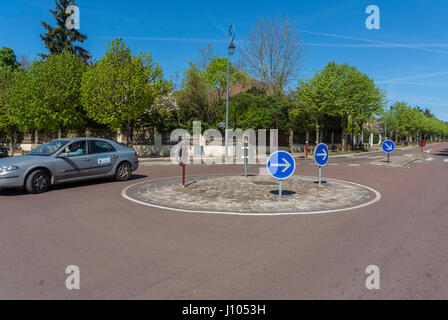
78, 148
97, 146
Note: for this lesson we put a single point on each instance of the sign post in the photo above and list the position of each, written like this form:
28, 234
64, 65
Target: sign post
306, 149
321, 157
246, 155
422, 144
388, 147
281, 165
182, 159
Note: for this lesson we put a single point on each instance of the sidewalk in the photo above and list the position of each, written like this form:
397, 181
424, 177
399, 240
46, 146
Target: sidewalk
301, 155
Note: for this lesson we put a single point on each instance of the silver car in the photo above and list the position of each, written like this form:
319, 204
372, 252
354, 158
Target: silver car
68, 160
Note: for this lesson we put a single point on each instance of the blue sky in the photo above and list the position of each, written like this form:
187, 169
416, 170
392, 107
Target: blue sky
408, 56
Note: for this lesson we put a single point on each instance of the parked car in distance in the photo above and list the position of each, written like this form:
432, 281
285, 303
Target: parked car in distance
3, 152
68, 160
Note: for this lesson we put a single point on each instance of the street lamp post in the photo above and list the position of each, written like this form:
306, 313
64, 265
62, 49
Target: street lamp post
230, 51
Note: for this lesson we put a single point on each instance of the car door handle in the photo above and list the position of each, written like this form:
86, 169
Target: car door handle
85, 159
114, 156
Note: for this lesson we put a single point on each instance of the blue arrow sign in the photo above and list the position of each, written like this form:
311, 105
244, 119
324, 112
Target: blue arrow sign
281, 165
321, 155
388, 146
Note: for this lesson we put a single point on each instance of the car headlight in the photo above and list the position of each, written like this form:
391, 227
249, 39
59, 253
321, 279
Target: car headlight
8, 168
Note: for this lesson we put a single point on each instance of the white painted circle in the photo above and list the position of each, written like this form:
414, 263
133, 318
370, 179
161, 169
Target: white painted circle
376, 199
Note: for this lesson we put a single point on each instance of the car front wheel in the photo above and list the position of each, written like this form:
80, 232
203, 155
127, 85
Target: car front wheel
124, 172
38, 182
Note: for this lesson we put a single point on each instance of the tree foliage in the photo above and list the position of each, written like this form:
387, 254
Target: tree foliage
59, 39
120, 88
203, 92
46, 96
407, 122
273, 52
341, 91
8, 59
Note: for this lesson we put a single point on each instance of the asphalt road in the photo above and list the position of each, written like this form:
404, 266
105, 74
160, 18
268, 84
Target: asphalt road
128, 251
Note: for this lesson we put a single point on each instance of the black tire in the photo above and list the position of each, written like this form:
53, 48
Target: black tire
124, 172
38, 182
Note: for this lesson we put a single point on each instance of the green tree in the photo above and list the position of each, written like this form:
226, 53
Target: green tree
249, 111
120, 88
6, 124
8, 59
203, 93
338, 91
318, 96
194, 99
46, 96
59, 39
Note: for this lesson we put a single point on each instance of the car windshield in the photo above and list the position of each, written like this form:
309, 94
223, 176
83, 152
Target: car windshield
48, 149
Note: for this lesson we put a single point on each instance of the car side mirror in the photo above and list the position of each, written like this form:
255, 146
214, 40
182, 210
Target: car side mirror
63, 155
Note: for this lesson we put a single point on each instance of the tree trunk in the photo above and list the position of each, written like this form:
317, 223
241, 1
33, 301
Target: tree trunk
291, 140
129, 133
36, 138
317, 131
344, 131
60, 132
12, 135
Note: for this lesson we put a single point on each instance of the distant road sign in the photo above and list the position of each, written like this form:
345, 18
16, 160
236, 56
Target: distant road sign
281, 165
321, 155
388, 146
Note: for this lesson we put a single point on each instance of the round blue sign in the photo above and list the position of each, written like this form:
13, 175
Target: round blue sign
281, 165
321, 155
388, 146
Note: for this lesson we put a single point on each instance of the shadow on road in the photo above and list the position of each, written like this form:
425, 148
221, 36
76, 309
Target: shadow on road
70, 185
284, 192
442, 153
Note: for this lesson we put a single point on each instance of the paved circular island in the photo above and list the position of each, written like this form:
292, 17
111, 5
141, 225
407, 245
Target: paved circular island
254, 195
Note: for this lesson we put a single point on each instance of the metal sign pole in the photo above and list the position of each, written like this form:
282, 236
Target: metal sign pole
280, 192
183, 175
246, 153
183, 155
320, 175
306, 149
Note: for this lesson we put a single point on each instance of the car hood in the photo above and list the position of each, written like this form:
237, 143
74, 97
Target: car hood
22, 160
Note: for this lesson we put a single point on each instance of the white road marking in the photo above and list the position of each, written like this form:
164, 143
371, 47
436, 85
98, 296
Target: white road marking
354, 165
429, 159
446, 160
376, 199
336, 164
377, 157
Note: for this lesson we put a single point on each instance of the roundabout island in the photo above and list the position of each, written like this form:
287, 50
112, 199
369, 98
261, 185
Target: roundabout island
252, 195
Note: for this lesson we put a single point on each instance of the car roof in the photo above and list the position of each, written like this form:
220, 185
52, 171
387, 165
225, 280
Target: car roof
84, 138
71, 140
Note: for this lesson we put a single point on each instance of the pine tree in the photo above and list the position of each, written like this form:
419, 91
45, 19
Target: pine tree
60, 39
